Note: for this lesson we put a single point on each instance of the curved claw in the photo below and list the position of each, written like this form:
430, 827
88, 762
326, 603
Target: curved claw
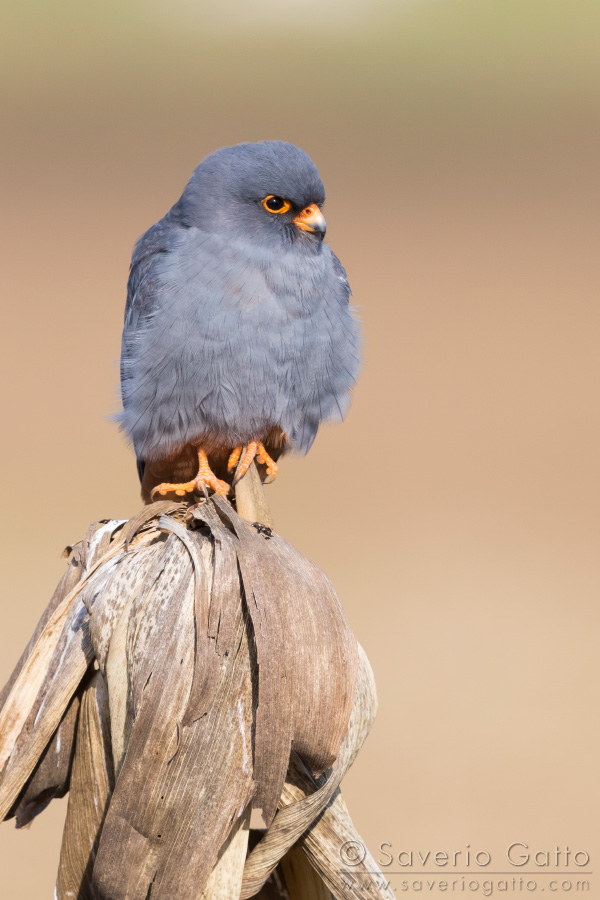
245, 461
264, 458
253, 449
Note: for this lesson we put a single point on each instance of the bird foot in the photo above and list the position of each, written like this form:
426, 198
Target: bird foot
204, 480
255, 449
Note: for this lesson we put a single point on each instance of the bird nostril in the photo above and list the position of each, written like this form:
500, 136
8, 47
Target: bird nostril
307, 211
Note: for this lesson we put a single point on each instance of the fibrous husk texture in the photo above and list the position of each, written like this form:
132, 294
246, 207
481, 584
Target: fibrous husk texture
189, 667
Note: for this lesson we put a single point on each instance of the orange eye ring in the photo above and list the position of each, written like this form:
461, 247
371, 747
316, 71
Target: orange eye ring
276, 205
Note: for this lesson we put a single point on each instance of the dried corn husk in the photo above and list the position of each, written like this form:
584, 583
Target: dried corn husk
190, 667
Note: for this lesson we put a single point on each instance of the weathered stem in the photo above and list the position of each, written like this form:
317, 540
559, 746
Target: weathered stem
250, 498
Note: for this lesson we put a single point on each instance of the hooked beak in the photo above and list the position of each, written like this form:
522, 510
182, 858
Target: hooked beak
311, 219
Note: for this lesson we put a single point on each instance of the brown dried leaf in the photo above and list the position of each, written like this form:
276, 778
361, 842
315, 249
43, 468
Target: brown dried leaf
303, 799
50, 778
183, 781
92, 781
306, 653
49, 673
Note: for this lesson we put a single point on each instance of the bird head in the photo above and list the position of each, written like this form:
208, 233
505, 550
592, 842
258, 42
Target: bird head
269, 191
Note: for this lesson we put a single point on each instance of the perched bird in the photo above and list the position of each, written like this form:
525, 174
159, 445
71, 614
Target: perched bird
238, 330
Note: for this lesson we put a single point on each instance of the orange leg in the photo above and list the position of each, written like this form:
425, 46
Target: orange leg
253, 449
205, 478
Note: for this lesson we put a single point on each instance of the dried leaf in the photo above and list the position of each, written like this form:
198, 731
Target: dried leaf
92, 781
304, 799
50, 671
182, 784
296, 618
50, 778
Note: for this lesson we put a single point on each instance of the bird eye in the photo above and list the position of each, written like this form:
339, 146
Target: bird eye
276, 204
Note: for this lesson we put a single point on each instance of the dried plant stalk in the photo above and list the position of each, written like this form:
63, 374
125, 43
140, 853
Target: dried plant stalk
250, 499
217, 673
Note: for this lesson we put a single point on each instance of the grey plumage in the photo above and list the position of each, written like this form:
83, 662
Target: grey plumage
236, 320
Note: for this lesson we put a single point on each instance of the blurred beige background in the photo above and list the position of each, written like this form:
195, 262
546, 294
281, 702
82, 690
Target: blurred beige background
459, 144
